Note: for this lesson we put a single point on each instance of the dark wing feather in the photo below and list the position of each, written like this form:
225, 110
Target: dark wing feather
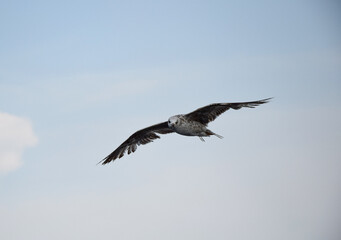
142, 136
208, 113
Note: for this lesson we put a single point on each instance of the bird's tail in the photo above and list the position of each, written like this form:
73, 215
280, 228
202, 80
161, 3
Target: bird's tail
218, 136
209, 132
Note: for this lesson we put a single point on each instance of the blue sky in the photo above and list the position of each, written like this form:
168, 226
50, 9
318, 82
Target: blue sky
78, 77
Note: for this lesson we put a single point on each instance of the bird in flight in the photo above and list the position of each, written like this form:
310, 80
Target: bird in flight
191, 124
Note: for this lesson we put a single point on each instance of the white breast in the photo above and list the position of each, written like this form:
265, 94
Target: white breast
190, 128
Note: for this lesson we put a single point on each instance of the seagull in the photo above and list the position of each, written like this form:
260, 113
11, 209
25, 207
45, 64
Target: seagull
191, 124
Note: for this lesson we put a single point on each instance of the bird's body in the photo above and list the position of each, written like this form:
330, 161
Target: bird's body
184, 127
181, 125
191, 124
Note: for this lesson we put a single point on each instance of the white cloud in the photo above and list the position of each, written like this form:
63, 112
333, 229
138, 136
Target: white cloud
15, 135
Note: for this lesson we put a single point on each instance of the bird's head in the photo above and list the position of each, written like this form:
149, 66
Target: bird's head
172, 121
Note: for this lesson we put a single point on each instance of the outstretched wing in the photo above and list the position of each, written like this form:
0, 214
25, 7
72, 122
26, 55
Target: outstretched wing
210, 112
142, 136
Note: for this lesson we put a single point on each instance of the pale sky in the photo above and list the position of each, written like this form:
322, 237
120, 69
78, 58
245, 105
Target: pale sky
79, 77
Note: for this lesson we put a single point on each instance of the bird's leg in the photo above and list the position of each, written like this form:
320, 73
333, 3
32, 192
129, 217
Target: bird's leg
201, 138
